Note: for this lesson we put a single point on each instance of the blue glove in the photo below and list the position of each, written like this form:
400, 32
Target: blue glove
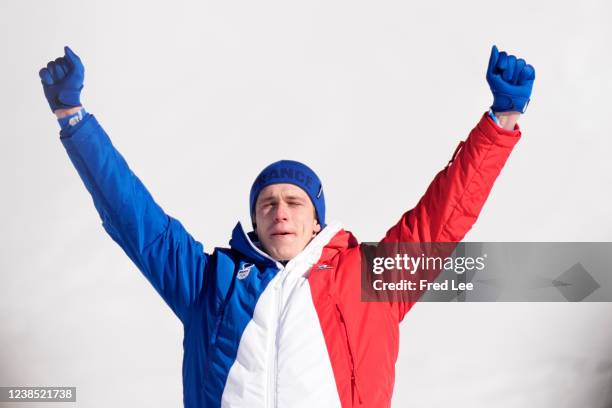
62, 81
510, 80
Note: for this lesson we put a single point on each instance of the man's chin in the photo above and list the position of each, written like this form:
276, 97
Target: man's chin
283, 257
282, 254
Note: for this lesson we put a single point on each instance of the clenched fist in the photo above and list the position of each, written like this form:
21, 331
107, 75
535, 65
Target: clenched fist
511, 80
62, 81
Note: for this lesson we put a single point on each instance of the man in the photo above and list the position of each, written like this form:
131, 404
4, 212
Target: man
276, 319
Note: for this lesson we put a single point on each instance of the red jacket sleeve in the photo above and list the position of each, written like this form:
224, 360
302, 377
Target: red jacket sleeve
453, 200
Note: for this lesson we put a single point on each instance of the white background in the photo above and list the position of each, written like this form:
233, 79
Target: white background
375, 96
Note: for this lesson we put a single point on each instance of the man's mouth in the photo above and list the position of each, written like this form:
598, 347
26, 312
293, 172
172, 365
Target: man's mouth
281, 233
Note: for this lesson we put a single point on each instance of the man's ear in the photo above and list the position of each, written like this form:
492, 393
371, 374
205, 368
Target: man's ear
317, 227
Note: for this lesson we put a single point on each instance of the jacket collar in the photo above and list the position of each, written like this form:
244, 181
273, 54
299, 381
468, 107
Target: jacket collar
329, 241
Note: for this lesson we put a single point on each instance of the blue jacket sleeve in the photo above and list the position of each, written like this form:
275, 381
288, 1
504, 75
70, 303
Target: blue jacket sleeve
159, 245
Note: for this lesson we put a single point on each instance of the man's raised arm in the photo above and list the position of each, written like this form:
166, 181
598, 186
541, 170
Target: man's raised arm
455, 197
160, 247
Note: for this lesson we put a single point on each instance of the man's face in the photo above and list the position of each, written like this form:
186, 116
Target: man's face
285, 220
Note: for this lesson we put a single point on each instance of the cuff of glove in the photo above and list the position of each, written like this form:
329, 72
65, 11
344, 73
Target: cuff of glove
509, 103
65, 99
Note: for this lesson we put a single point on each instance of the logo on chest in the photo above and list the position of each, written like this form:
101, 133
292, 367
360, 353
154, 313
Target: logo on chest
244, 271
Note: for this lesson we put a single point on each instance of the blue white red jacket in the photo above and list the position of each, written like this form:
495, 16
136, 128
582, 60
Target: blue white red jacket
260, 334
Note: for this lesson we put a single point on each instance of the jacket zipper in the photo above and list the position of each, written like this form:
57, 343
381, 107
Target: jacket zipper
213, 339
354, 388
213, 336
273, 345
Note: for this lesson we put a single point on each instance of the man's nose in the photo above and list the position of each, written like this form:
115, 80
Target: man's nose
281, 212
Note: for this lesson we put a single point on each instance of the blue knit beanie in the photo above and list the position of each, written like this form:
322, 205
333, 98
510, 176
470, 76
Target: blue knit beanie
292, 172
